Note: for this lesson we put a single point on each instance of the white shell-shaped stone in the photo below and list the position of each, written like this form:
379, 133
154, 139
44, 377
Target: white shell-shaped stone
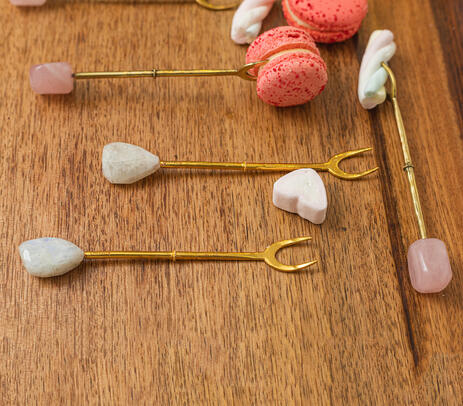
248, 18
376, 82
46, 257
303, 192
372, 77
126, 163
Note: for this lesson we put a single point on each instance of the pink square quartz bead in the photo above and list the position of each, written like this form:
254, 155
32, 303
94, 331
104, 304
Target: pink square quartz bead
52, 78
28, 2
429, 265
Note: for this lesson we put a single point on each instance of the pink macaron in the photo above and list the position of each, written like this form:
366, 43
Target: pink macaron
326, 20
295, 73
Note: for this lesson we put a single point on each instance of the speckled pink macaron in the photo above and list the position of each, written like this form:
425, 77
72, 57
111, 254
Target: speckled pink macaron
326, 20
295, 73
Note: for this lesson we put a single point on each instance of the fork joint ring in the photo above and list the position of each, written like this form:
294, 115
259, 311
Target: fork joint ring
407, 166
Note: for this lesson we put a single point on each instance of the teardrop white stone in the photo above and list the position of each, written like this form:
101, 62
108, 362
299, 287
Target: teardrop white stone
46, 257
126, 163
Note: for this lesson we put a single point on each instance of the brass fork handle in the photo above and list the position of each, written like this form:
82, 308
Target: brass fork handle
216, 7
242, 72
175, 255
332, 166
408, 165
269, 255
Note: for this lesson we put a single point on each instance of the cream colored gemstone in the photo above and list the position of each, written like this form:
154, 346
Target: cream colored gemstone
126, 163
46, 257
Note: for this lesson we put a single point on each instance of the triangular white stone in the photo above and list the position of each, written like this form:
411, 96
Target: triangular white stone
45, 257
303, 192
126, 163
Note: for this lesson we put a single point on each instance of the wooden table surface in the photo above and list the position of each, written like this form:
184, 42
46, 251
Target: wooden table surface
351, 331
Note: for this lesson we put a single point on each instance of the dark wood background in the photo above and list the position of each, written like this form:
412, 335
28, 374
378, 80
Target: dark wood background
351, 331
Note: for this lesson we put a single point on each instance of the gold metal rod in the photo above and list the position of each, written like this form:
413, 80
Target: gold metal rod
216, 7
175, 255
408, 167
196, 72
268, 255
332, 166
109, 75
242, 72
270, 167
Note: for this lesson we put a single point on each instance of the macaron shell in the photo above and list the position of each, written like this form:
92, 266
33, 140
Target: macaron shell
329, 15
326, 37
291, 79
279, 39
329, 20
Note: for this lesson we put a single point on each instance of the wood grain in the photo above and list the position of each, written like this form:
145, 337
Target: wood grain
351, 332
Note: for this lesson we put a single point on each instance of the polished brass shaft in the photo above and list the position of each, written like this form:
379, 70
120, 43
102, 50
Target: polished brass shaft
331, 166
216, 7
242, 72
408, 166
268, 255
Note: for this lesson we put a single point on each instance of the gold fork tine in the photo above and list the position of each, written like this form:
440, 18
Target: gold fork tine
270, 252
332, 165
216, 7
243, 72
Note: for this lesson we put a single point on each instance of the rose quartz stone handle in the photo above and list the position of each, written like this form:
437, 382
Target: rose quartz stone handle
429, 265
52, 78
28, 2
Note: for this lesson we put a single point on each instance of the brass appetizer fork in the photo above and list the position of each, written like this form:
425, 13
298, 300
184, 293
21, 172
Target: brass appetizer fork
46, 257
126, 163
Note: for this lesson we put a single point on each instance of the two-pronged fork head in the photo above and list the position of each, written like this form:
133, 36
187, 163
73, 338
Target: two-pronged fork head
270, 258
332, 166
